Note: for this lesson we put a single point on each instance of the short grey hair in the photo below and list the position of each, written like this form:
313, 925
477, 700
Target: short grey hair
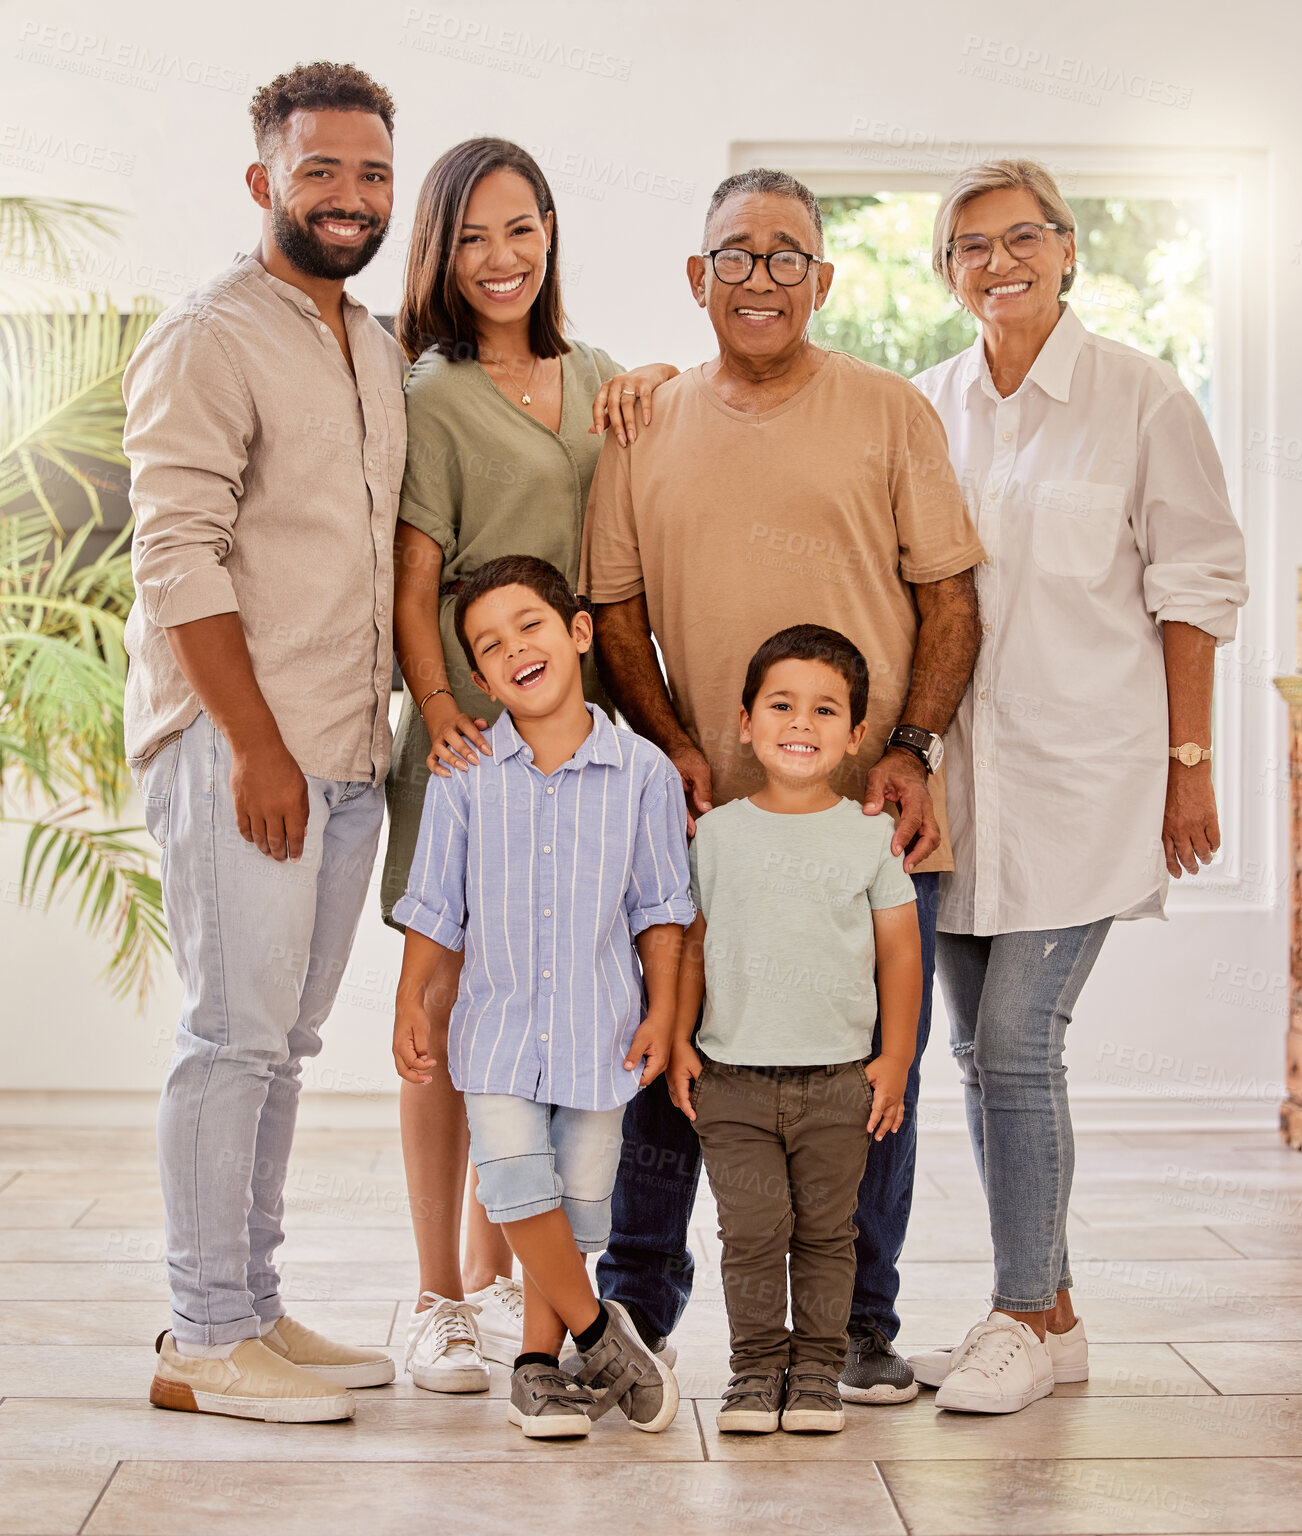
998, 176
761, 182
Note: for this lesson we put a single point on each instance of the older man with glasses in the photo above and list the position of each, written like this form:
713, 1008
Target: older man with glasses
780, 484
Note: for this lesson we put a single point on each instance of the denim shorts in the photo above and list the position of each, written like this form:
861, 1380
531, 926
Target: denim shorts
530, 1158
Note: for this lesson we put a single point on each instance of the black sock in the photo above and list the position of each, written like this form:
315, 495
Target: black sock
588, 1338
536, 1357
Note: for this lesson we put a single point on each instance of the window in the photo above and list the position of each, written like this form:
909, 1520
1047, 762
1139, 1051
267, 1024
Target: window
1145, 279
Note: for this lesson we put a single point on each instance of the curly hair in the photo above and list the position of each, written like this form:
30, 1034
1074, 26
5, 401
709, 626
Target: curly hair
315, 87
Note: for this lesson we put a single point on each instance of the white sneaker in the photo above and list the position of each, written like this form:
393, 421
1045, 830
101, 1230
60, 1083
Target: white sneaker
443, 1353
999, 1368
500, 1323
1070, 1353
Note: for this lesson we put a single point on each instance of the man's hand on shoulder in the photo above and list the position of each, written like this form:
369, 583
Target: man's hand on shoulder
697, 780
900, 779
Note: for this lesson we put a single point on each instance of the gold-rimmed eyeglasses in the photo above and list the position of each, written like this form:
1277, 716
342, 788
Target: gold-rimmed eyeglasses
1021, 241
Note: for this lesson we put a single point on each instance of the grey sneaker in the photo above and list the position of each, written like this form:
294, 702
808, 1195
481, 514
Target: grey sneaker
657, 1343
621, 1371
752, 1402
813, 1402
873, 1372
547, 1404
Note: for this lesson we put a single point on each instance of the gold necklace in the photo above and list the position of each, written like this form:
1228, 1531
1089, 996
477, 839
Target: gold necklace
500, 362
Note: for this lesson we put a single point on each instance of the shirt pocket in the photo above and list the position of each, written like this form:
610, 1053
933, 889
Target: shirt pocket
1075, 525
394, 402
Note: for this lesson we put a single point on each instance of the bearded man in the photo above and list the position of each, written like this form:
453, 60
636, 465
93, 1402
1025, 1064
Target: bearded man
266, 434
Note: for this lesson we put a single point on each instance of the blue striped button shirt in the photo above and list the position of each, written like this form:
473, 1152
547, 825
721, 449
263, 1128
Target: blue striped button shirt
545, 881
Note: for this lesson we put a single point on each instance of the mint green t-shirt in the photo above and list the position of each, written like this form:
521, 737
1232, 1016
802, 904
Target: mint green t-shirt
789, 956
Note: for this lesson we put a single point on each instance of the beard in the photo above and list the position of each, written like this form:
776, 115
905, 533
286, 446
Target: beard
313, 256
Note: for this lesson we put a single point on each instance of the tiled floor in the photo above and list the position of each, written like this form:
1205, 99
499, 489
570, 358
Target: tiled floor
1187, 1249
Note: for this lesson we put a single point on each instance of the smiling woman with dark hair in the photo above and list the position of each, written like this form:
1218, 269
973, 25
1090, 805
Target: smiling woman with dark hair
503, 416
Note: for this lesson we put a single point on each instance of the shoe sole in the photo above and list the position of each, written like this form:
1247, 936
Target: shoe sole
880, 1394
367, 1373
499, 1348
551, 1426
746, 1421
812, 1421
468, 1379
934, 1377
181, 1398
976, 1402
669, 1408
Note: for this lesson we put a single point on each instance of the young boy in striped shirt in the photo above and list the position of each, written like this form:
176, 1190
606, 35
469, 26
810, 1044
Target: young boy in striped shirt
551, 864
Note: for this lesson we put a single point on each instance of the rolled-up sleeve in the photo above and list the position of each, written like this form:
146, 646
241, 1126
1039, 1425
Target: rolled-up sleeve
1191, 544
432, 488
435, 901
658, 888
190, 420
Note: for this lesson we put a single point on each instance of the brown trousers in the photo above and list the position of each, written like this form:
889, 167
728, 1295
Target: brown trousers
785, 1149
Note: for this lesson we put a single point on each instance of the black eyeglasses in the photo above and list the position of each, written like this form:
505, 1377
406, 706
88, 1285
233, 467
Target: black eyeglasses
786, 268
1021, 241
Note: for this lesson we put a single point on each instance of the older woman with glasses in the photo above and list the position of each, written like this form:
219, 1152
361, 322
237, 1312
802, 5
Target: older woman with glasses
1080, 773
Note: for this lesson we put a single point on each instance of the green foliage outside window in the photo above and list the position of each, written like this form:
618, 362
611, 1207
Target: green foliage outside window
1144, 279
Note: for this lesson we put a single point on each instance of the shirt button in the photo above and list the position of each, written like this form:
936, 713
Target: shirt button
546, 975
987, 628
1008, 437
547, 911
547, 847
984, 694
982, 763
325, 327
551, 789
544, 1038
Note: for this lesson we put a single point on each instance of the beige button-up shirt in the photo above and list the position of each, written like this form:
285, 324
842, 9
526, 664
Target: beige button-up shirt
264, 481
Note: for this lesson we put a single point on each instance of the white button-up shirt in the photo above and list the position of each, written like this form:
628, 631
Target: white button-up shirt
1100, 500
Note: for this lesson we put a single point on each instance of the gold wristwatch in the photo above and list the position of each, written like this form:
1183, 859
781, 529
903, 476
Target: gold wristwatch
1191, 754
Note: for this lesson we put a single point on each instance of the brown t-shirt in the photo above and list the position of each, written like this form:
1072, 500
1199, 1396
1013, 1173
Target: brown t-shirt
823, 510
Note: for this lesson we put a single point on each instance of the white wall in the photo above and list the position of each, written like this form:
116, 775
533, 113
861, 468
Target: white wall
634, 110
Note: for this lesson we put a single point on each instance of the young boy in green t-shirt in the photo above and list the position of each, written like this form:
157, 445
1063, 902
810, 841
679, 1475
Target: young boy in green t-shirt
799, 898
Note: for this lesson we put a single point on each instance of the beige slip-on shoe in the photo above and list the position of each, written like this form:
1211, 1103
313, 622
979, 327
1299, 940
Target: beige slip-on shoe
253, 1383
340, 1363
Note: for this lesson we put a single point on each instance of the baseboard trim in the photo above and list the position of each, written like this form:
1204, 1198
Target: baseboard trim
940, 1111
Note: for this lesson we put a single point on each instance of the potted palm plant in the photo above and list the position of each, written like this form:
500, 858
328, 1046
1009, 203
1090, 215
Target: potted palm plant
65, 588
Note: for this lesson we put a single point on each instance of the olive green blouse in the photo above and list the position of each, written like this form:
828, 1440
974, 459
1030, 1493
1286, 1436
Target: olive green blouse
484, 478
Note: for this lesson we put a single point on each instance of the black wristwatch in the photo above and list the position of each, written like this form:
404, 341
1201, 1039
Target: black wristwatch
926, 746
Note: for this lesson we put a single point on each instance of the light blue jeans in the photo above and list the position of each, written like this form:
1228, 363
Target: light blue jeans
532, 1157
260, 947
1010, 1000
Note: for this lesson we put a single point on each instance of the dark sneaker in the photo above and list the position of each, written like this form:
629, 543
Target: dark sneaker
873, 1372
621, 1371
752, 1403
813, 1402
547, 1404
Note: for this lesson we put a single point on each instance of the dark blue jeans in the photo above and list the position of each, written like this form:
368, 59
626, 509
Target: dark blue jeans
647, 1262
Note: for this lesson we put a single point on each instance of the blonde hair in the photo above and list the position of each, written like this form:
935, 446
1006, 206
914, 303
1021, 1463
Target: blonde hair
998, 176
